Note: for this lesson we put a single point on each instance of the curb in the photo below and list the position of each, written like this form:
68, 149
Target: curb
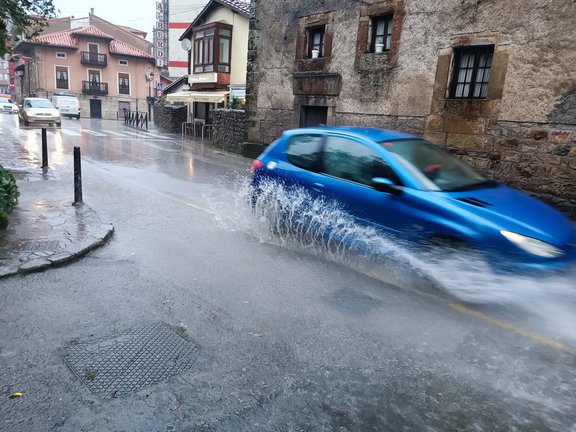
62, 258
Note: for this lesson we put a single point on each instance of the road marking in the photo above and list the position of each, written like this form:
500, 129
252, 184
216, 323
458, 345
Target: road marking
133, 133
506, 326
69, 132
114, 133
91, 132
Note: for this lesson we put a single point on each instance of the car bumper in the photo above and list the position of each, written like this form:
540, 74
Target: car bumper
44, 119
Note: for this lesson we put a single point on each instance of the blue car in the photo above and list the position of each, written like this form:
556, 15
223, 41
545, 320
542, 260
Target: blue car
403, 184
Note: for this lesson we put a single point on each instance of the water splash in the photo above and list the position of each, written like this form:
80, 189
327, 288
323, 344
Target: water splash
319, 227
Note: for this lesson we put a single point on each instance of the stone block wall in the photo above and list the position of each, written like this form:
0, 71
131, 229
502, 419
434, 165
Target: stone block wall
229, 130
170, 118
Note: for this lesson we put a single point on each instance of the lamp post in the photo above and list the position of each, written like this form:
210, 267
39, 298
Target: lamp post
151, 99
20, 73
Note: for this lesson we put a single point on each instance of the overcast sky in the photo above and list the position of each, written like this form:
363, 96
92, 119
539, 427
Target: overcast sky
138, 14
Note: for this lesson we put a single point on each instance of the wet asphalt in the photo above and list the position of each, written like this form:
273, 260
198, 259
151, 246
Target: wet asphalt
285, 338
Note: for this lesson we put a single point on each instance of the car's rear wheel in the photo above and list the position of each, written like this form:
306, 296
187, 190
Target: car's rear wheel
59, 124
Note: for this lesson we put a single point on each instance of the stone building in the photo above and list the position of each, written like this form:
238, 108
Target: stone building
493, 81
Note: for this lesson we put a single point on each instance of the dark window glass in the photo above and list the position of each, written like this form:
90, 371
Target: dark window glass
61, 77
303, 151
124, 84
471, 72
316, 41
381, 33
354, 161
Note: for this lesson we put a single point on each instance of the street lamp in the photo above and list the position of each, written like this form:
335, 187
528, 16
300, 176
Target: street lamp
20, 73
151, 99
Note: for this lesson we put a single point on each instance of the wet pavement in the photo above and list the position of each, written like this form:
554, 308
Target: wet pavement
46, 229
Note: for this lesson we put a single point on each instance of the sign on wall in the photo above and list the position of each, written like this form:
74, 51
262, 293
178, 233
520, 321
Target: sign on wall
160, 36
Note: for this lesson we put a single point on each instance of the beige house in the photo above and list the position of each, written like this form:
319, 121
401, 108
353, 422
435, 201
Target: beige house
217, 43
108, 67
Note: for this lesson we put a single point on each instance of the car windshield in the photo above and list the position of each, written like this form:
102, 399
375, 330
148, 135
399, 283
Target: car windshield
67, 100
435, 168
37, 103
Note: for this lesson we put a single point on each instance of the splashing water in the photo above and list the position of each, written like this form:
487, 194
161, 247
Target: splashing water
296, 220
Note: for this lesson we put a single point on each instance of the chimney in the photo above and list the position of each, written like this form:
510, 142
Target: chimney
91, 11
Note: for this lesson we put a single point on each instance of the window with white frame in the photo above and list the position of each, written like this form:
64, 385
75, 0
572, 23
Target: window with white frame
62, 77
60, 54
123, 62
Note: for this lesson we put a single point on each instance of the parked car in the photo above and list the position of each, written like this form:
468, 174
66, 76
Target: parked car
406, 185
38, 110
68, 105
7, 106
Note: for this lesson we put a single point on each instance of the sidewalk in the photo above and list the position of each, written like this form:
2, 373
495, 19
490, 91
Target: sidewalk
45, 229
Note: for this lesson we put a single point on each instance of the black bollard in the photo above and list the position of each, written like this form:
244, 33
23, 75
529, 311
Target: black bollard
44, 149
77, 177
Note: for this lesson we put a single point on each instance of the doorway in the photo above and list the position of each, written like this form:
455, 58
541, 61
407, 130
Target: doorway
313, 115
95, 108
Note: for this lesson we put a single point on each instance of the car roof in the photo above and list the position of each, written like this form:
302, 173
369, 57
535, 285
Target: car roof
363, 132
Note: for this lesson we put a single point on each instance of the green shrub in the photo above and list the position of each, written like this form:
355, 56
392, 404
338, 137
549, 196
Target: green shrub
9, 194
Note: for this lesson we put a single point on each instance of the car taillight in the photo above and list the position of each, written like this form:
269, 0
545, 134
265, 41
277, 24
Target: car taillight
256, 165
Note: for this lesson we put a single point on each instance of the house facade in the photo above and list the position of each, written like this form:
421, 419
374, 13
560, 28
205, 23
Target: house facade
491, 81
106, 72
217, 58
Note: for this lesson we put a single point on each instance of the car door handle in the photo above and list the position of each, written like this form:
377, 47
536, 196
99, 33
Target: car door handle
318, 187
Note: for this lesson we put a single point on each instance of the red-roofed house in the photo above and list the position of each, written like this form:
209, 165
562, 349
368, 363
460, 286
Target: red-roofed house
107, 67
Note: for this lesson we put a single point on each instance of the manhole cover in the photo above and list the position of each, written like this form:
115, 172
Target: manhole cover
47, 245
128, 362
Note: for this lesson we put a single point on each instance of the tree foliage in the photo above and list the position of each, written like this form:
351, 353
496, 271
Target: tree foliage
22, 17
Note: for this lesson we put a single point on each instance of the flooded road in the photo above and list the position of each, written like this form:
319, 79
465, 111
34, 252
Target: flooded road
349, 330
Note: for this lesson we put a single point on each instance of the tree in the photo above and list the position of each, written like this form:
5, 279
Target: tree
22, 16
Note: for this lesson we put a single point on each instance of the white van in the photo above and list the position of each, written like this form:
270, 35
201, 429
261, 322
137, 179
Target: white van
68, 105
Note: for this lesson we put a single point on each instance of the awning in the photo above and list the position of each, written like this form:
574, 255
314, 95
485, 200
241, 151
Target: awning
189, 96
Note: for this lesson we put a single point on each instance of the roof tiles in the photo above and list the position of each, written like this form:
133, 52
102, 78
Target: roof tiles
69, 39
240, 5
122, 48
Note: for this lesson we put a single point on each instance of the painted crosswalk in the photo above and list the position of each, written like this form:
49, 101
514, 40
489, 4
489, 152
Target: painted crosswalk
77, 132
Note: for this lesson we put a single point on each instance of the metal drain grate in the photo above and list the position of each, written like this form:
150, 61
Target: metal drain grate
117, 365
34, 245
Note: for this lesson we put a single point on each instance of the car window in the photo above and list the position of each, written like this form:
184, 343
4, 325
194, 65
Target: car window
351, 160
303, 150
38, 103
434, 167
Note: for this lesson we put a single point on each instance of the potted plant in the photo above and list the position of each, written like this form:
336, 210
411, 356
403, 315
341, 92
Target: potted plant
379, 48
315, 53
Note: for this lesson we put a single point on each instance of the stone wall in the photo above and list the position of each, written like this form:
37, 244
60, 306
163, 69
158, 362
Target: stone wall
169, 118
229, 129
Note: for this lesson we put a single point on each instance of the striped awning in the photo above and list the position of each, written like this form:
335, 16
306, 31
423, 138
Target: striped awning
190, 96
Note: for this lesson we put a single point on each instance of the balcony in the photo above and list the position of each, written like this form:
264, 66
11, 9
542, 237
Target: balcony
92, 58
94, 88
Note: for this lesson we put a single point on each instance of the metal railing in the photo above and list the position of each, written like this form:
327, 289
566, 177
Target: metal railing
136, 119
92, 58
94, 88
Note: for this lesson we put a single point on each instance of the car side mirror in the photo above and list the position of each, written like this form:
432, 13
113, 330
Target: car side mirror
385, 185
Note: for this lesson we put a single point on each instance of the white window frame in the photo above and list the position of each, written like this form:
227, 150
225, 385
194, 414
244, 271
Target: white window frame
61, 54
129, 84
123, 62
55, 78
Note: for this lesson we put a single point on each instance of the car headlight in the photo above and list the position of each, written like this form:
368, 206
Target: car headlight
29, 113
533, 246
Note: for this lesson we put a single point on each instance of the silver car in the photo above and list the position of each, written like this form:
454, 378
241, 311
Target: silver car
38, 110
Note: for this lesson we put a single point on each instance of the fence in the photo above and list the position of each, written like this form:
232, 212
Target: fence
136, 119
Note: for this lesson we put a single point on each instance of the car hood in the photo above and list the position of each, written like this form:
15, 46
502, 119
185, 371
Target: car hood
508, 209
51, 111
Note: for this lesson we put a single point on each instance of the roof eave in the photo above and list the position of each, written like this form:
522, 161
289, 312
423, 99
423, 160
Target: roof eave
201, 19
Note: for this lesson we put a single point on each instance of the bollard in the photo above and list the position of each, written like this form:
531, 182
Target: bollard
77, 177
44, 149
